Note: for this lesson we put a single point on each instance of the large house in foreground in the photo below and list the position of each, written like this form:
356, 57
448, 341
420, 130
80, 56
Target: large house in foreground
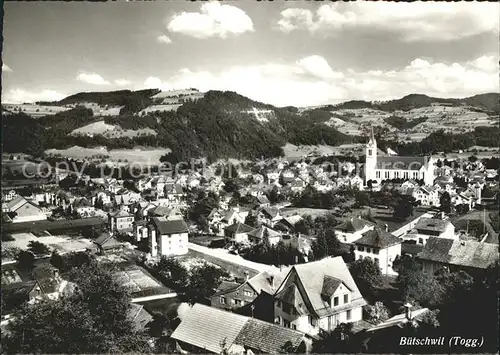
318, 295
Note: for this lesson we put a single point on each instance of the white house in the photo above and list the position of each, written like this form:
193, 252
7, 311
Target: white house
21, 210
257, 235
167, 237
380, 246
318, 295
431, 227
352, 229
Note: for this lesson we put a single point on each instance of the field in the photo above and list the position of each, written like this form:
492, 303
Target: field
35, 110
139, 155
163, 107
451, 119
57, 227
313, 212
293, 151
111, 131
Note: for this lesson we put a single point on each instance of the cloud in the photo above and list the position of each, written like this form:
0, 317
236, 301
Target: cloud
164, 39
6, 68
17, 96
417, 21
156, 83
319, 67
122, 82
213, 20
94, 79
312, 81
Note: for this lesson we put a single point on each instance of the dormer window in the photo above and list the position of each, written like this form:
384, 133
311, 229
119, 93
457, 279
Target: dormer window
346, 298
370, 152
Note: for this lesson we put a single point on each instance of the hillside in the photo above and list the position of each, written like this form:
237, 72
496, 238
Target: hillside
215, 125
228, 125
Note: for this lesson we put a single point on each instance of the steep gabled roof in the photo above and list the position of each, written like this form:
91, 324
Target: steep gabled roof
432, 224
259, 232
353, 225
312, 275
237, 228
378, 238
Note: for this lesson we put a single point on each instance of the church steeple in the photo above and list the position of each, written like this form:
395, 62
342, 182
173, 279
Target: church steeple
371, 141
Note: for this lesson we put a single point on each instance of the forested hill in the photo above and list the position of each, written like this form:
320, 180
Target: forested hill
488, 102
219, 125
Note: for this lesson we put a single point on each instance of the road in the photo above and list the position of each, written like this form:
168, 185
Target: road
38, 226
226, 256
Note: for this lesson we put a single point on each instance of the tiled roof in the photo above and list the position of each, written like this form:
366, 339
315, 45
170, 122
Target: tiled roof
16, 203
165, 226
271, 211
239, 228
400, 163
266, 337
262, 199
208, 328
269, 280
139, 316
459, 252
330, 285
378, 238
226, 286
121, 213
431, 224
106, 240
259, 232
353, 225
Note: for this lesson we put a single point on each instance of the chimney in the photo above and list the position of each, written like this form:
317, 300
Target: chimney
56, 274
408, 314
271, 281
386, 227
442, 216
246, 275
359, 217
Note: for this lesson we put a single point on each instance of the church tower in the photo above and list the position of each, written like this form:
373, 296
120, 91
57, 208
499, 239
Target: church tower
371, 157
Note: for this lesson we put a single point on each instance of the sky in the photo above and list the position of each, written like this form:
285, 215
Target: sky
298, 53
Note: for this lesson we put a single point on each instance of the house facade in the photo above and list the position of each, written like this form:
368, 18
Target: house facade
380, 246
318, 296
431, 227
167, 237
121, 221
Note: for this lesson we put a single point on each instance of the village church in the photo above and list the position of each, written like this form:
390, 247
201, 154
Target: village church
389, 167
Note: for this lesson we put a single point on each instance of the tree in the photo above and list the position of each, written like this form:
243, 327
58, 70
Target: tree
476, 228
366, 273
362, 199
175, 274
38, 248
416, 286
94, 319
25, 260
340, 340
403, 209
203, 282
376, 313
251, 220
445, 202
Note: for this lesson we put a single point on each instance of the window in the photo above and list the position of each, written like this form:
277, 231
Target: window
375, 251
361, 248
396, 174
361, 257
368, 250
286, 323
248, 293
237, 302
278, 304
386, 174
376, 261
348, 314
369, 152
294, 327
377, 174
420, 241
335, 301
346, 298
223, 300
